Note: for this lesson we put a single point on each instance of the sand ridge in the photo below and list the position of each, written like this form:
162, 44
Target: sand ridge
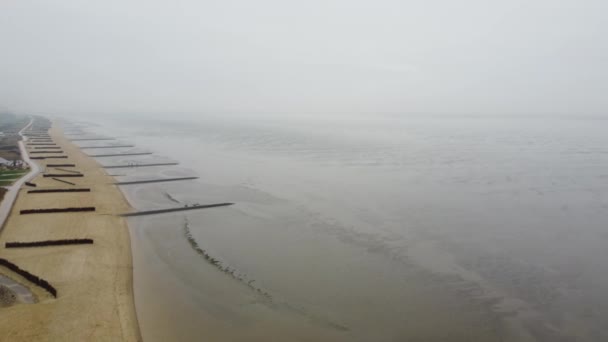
94, 282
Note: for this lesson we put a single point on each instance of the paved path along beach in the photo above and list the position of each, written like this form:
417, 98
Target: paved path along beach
13, 190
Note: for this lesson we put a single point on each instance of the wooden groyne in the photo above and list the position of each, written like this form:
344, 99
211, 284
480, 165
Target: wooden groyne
63, 181
46, 147
44, 191
171, 210
41, 144
120, 154
155, 180
63, 175
27, 275
45, 243
137, 165
31, 152
66, 170
50, 157
92, 139
56, 210
109, 146
61, 165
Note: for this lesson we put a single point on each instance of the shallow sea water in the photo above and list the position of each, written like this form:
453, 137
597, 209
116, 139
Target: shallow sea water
416, 229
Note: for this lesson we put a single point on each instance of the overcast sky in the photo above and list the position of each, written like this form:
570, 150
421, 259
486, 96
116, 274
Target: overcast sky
313, 57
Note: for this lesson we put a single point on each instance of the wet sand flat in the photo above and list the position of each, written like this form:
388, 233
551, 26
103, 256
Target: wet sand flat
94, 282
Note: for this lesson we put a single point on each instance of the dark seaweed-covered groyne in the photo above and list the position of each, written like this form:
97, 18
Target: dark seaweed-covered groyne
48, 243
120, 154
138, 165
56, 210
44, 191
63, 175
30, 184
65, 170
155, 180
63, 181
27, 275
170, 210
50, 157
35, 152
61, 165
108, 146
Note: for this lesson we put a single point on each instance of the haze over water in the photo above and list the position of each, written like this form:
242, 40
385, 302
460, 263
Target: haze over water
401, 170
375, 229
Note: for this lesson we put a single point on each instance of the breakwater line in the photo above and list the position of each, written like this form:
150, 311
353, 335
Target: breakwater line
66, 170
56, 210
108, 146
63, 181
63, 175
44, 191
45, 243
31, 277
49, 157
137, 165
171, 210
92, 139
217, 263
244, 279
60, 165
120, 154
155, 180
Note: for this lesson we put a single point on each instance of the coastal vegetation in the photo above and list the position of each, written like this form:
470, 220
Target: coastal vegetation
10, 125
8, 177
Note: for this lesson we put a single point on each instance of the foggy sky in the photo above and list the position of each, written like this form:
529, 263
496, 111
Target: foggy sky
314, 57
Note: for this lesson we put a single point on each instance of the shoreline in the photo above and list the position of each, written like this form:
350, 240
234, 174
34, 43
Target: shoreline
94, 282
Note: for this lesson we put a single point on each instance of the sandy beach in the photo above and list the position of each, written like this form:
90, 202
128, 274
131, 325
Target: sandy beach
94, 282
